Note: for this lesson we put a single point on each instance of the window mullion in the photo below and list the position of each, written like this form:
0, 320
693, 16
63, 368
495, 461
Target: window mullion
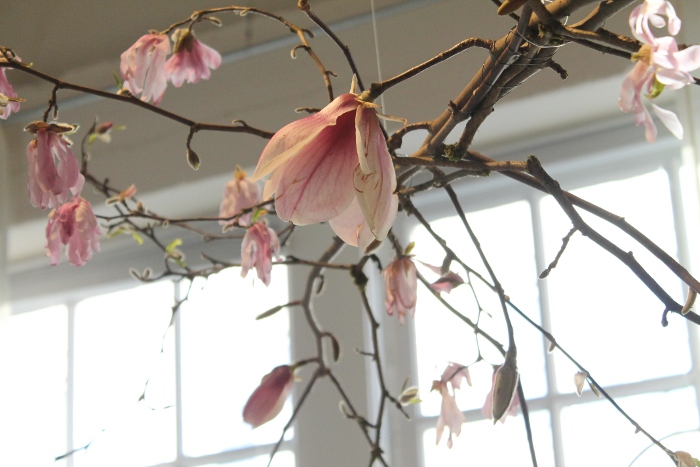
70, 382
541, 264
177, 324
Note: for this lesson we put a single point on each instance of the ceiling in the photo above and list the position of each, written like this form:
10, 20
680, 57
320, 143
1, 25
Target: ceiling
258, 82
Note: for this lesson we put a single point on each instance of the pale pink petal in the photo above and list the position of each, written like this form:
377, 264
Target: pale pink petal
143, 67
74, 225
450, 416
267, 400
317, 183
670, 120
447, 282
192, 62
7, 90
352, 228
455, 373
239, 194
53, 172
375, 188
292, 138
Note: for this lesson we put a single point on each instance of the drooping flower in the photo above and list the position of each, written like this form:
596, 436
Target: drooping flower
240, 193
9, 102
510, 396
450, 414
143, 67
260, 243
191, 60
446, 282
401, 287
650, 13
74, 225
333, 166
267, 400
659, 64
53, 169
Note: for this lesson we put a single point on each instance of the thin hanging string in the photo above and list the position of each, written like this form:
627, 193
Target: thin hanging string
379, 62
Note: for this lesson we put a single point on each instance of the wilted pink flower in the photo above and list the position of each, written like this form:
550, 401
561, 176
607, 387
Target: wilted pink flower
259, 244
487, 409
191, 60
401, 287
450, 414
446, 282
240, 193
143, 67
53, 169
74, 225
333, 166
9, 102
267, 400
650, 12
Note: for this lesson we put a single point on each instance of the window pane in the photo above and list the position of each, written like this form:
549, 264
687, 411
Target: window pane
36, 422
118, 338
483, 443
598, 424
505, 234
601, 313
225, 354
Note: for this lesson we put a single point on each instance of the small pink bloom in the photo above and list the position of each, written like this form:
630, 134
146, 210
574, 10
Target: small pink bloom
240, 193
672, 66
267, 400
450, 414
191, 60
260, 243
650, 12
9, 102
333, 166
487, 409
143, 67
446, 282
74, 225
401, 287
53, 169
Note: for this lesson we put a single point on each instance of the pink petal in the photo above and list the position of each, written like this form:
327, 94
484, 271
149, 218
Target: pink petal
352, 228
670, 120
289, 141
267, 400
376, 183
316, 185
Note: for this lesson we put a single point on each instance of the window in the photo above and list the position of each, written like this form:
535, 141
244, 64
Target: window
84, 367
593, 305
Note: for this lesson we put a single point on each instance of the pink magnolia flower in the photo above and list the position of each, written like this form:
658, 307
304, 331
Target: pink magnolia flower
240, 193
333, 166
487, 409
191, 60
650, 12
259, 244
53, 169
143, 67
9, 102
401, 287
450, 414
74, 225
267, 400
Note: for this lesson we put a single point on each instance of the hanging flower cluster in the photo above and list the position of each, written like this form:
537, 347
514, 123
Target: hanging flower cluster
333, 166
145, 70
54, 177
659, 64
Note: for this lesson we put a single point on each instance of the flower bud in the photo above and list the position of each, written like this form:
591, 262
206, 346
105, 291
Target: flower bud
267, 400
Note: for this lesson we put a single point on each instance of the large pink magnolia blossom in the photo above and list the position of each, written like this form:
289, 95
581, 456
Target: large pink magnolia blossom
240, 193
260, 243
143, 67
9, 102
401, 282
650, 13
333, 166
53, 169
487, 409
267, 400
191, 60
74, 225
450, 414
